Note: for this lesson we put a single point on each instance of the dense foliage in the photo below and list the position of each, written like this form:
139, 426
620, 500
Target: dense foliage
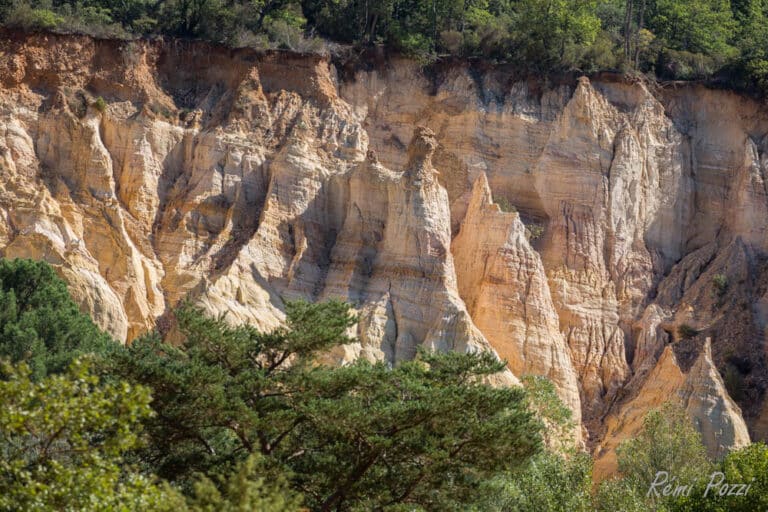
426, 432
684, 39
62, 439
669, 443
548, 481
235, 419
39, 322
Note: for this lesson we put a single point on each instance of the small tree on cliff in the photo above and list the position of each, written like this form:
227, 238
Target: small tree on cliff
363, 436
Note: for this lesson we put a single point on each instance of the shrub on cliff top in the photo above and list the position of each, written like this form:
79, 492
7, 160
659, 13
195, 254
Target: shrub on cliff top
504, 204
720, 284
25, 17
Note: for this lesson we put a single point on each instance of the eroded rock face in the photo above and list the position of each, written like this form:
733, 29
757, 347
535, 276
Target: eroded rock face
699, 390
503, 282
393, 257
243, 180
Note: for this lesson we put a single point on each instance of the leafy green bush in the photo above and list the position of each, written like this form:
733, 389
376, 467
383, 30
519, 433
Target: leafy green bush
63, 438
504, 204
248, 39
452, 41
415, 45
703, 27
535, 230
143, 25
621, 494
548, 481
667, 442
556, 33
749, 465
720, 284
99, 104
682, 65
286, 28
558, 478
25, 17
246, 487
601, 55
746, 466
543, 399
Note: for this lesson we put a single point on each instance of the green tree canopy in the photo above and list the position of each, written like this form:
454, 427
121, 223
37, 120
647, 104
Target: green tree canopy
550, 32
245, 488
746, 466
697, 26
678, 39
39, 321
363, 436
668, 442
62, 439
548, 481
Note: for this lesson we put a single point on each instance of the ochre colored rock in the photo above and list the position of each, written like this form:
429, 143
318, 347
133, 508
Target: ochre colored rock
243, 180
502, 280
699, 390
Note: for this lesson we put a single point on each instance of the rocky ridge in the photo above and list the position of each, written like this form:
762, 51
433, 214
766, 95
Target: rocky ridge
635, 230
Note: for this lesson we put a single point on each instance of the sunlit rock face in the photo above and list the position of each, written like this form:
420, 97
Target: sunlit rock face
699, 390
580, 230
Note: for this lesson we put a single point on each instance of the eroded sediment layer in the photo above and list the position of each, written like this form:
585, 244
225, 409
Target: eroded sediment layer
243, 180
